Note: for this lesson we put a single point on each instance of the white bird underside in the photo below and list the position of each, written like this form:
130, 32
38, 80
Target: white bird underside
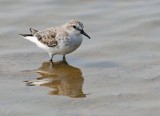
61, 49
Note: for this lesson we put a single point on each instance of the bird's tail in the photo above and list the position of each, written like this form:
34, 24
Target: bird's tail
26, 35
31, 36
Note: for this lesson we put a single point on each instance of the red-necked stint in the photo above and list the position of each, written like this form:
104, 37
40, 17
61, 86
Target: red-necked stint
59, 40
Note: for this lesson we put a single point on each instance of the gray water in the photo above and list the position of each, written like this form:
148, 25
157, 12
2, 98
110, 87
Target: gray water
115, 73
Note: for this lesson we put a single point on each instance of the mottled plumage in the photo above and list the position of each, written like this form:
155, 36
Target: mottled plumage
58, 40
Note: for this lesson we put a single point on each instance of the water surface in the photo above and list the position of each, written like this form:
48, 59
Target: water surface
117, 70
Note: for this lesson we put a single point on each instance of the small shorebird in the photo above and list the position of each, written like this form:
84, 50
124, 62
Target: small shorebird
59, 40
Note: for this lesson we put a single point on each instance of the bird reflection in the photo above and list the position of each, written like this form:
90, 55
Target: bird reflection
63, 78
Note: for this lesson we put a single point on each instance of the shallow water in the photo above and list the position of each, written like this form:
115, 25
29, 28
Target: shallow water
64, 79
117, 70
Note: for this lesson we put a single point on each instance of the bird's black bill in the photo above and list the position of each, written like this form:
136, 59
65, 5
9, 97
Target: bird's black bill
84, 33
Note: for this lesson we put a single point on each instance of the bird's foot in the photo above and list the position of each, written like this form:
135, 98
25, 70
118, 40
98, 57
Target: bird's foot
51, 60
64, 58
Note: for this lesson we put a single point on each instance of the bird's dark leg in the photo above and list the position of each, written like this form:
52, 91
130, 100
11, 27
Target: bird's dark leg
51, 58
64, 57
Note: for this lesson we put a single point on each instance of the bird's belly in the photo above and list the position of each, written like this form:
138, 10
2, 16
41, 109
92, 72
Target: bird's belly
66, 47
63, 47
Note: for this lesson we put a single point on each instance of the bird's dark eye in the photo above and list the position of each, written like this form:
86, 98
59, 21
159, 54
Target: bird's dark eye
74, 26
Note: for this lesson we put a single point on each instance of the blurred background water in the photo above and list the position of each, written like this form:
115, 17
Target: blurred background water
120, 64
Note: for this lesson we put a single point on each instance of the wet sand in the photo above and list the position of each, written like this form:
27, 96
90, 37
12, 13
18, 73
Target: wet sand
115, 73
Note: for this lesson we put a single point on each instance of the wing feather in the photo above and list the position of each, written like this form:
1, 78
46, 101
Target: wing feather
47, 37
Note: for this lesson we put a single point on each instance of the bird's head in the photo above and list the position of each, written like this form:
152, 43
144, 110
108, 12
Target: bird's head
76, 27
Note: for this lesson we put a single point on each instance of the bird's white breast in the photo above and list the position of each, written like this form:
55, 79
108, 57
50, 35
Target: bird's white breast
69, 44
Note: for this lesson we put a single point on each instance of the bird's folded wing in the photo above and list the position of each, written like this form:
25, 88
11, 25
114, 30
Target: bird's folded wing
47, 38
